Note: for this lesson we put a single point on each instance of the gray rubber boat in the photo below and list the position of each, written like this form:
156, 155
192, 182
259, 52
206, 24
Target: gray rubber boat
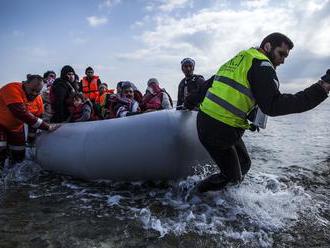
151, 146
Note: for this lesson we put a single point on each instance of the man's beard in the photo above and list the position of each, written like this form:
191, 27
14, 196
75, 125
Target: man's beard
271, 56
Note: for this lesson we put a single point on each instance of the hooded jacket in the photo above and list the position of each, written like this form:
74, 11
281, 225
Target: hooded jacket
61, 95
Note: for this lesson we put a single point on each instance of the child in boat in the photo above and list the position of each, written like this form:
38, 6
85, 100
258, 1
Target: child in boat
81, 109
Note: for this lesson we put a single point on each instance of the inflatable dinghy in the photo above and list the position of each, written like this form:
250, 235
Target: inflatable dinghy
160, 145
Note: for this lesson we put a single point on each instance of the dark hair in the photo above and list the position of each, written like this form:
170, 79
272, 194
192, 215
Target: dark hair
89, 69
126, 86
46, 74
276, 40
30, 78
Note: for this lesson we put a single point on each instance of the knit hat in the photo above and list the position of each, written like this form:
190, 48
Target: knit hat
152, 80
188, 61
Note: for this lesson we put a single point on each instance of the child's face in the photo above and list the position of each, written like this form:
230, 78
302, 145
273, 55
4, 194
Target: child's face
77, 102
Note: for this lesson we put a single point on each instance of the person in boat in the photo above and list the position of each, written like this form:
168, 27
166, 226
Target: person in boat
137, 94
100, 100
247, 87
190, 85
81, 109
61, 94
90, 84
110, 101
20, 102
49, 78
125, 104
155, 98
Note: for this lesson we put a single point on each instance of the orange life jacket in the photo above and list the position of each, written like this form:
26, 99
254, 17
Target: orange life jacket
90, 89
100, 98
14, 93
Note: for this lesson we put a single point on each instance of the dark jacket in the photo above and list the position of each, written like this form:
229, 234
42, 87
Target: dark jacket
61, 95
265, 88
193, 87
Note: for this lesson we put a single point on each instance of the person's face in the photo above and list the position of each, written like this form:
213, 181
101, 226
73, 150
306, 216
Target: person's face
71, 76
33, 89
278, 54
188, 70
50, 78
103, 89
129, 93
90, 73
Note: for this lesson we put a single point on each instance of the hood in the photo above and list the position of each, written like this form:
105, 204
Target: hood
65, 70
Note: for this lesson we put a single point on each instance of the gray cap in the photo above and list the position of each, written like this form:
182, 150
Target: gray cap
188, 61
153, 80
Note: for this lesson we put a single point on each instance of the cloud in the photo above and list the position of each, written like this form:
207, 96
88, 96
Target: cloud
213, 35
95, 21
169, 5
109, 3
255, 3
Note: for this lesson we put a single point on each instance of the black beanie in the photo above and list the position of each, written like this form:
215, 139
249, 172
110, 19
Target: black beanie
65, 70
89, 69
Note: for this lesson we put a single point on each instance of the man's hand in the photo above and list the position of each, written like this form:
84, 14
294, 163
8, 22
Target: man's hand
53, 127
326, 77
325, 81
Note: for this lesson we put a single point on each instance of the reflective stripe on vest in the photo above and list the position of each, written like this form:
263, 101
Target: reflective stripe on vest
232, 83
225, 105
230, 98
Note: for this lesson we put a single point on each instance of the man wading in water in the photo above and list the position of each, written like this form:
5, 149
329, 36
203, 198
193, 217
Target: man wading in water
242, 85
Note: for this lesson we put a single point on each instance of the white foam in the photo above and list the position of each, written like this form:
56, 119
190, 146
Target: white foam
114, 200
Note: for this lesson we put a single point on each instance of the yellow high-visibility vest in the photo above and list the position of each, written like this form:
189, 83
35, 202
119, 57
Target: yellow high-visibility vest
230, 98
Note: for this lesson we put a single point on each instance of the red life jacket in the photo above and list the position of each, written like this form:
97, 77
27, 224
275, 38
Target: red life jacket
76, 111
154, 102
90, 89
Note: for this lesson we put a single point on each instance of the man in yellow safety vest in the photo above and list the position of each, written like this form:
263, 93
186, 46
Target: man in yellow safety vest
247, 88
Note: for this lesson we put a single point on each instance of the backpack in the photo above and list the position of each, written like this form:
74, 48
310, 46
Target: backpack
169, 97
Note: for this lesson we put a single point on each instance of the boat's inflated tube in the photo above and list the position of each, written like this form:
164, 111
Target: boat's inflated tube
157, 145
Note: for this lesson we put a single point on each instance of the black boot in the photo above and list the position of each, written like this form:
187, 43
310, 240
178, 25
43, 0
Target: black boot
212, 183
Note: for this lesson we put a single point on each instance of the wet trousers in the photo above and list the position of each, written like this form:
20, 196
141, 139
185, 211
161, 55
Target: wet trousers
12, 144
225, 146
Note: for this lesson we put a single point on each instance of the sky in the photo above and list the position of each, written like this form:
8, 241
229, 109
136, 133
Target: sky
139, 39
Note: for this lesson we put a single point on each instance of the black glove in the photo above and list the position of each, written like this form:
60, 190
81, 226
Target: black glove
326, 77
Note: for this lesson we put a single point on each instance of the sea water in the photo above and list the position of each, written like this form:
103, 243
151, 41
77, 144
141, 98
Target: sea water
283, 201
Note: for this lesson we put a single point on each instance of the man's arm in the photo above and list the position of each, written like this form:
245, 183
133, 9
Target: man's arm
195, 97
20, 112
264, 85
